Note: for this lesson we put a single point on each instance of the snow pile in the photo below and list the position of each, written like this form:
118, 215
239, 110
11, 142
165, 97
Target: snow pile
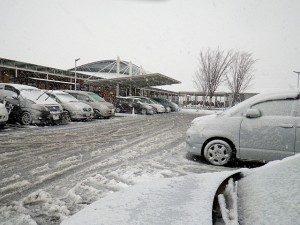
265, 195
37, 208
181, 200
200, 111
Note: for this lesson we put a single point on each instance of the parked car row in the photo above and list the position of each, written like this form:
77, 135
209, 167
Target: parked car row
144, 105
30, 105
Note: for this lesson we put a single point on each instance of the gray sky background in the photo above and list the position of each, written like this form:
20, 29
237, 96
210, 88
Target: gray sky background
163, 36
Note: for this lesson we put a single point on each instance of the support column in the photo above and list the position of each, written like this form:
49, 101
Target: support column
117, 90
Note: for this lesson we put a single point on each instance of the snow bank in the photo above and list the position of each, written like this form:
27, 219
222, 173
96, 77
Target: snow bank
265, 195
181, 200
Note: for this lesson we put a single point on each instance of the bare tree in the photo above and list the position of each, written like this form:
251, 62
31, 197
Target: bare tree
213, 66
240, 74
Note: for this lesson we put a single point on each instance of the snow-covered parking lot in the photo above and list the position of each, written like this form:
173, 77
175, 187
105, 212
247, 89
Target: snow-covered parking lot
49, 173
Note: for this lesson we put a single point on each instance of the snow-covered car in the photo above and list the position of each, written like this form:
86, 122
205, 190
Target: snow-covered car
159, 108
265, 195
167, 103
102, 108
264, 127
73, 108
132, 104
30, 104
3, 115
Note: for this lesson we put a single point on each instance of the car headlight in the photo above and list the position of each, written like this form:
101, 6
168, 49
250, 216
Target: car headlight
40, 107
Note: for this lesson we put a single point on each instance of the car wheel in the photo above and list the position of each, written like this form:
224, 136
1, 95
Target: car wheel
26, 118
144, 111
118, 110
218, 152
97, 113
67, 116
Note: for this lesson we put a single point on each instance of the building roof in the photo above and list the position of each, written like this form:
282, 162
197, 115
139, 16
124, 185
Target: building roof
147, 80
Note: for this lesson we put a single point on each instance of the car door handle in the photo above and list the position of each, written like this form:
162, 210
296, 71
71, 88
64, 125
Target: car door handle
286, 125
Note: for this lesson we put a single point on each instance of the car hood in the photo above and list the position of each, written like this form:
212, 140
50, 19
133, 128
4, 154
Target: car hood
76, 105
181, 200
204, 118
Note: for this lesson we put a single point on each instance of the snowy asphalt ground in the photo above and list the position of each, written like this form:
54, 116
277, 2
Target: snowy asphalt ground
49, 173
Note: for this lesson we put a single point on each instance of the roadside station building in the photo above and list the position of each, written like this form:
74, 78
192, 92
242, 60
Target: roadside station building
108, 78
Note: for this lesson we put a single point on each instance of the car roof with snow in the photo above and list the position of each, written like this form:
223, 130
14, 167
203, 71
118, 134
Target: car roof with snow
19, 86
77, 91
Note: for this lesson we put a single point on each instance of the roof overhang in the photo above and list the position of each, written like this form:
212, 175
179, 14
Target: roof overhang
140, 81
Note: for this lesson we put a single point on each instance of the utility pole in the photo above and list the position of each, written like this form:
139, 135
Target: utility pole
75, 71
298, 78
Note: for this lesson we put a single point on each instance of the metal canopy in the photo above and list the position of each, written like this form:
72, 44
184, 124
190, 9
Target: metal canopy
140, 81
22, 66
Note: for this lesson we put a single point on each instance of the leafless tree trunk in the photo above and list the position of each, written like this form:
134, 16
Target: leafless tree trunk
213, 66
240, 74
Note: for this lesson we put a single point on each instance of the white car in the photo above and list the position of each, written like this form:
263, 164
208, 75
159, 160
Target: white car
73, 108
265, 127
3, 115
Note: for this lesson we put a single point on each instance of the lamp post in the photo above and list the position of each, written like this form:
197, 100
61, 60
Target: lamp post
298, 78
75, 72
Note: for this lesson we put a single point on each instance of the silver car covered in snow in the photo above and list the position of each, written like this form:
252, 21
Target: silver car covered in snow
101, 107
73, 108
30, 104
265, 127
159, 108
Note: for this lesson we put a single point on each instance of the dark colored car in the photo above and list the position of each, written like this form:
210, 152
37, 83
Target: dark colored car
130, 104
167, 103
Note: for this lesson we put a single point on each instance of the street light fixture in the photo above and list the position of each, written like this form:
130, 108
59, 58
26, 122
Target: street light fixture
75, 72
298, 78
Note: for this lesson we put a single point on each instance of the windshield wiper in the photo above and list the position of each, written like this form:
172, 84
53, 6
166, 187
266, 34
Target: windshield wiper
49, 95
41, 95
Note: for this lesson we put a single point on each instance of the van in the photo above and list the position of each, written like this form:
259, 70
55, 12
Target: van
30, 105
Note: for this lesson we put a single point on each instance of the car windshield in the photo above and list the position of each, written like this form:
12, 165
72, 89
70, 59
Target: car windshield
64, 97
146, 100
34, 94
96, 97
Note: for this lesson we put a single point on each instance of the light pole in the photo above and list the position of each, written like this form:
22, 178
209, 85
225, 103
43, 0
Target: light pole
298, 78
75, 72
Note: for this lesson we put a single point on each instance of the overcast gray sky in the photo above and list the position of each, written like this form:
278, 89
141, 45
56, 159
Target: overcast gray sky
163, 36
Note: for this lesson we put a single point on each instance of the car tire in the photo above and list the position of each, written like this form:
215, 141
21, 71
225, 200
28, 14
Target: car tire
26, 118
67, 116
118, 110
144, 111
218, 152
97, 113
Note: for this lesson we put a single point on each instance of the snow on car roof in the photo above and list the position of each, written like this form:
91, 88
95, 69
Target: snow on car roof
20, 86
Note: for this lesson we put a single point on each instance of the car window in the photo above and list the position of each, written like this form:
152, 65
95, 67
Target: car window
276, 107
82, 97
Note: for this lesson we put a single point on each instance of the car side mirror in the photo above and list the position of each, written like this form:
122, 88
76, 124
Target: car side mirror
253, 113
87, 99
